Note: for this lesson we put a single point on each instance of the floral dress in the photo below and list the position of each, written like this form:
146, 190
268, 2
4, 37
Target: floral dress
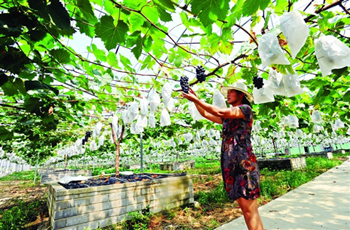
239, 168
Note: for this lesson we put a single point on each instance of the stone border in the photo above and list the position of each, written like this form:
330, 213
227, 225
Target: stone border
100, 206
282, 163
176, 166
328, 155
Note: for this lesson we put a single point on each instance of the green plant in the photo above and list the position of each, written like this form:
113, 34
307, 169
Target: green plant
168, 214
217, 195
23, 175
21, 214
277, 183
138, 220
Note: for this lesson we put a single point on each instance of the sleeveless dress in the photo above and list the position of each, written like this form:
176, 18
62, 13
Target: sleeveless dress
239, 168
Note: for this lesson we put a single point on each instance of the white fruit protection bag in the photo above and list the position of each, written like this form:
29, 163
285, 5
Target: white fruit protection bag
93, 145
144, 106
115, 123
263, 95
270, 51
331, 53
295, 30
152, 120
293, 121
142, 121
166, 94
275, 83
154, 100
101, 140
316, 117
338, 124
165, 118
188, 137
257, 126
194, 112
219, 99
292, 85
125, 117
97, 130
133, 111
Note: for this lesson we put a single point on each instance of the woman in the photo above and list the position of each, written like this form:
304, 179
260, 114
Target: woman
238, 164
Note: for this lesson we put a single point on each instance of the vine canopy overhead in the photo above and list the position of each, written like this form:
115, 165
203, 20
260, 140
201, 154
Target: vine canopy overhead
51, 83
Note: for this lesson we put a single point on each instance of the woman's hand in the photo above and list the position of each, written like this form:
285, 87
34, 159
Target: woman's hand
191, 95
192, 91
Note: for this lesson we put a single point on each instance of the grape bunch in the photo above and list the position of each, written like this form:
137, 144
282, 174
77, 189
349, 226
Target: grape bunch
184, 84
200, 75
87, 135
258, 82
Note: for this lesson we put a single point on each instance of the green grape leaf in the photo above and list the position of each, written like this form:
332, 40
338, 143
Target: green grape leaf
184, 19
34, 85
178, 61
151, 13
99, 54
112, 59
84, 28
135, 21
346, 96
61, 55
237, 10
108, 88
3, 78
106, 79
9, 88
110, 34
166, 3
137, 50
20, 86
164, 15
147, 44
5, 134
264, 4
125, 61
213, 43
250, 7
85, 8
40, 7
281, 6
210, 10
59, 15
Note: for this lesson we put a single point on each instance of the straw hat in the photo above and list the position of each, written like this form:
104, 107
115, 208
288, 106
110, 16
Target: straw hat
239, 86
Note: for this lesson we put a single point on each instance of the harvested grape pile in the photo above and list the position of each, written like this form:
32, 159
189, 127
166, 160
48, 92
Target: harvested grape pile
113, 180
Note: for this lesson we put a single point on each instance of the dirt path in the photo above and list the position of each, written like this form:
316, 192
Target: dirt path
12, 192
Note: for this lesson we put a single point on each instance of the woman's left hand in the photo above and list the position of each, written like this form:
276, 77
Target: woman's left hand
190, 96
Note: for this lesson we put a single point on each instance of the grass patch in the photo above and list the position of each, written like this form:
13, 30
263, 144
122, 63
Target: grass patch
217, 195
22, 214
276, 183
23, 175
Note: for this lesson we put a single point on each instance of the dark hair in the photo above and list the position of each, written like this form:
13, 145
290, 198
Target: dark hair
244, 99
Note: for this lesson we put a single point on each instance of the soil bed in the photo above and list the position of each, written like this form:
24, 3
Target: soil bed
100, 181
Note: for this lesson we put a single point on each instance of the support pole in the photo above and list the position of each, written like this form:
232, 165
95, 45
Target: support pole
36, 169
141, 147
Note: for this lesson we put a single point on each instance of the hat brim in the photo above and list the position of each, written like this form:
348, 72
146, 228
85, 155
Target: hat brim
224, 90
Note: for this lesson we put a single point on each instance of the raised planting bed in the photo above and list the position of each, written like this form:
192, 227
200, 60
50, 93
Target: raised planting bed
282, 163
328, 155
100, 206
176, 166
50, 175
